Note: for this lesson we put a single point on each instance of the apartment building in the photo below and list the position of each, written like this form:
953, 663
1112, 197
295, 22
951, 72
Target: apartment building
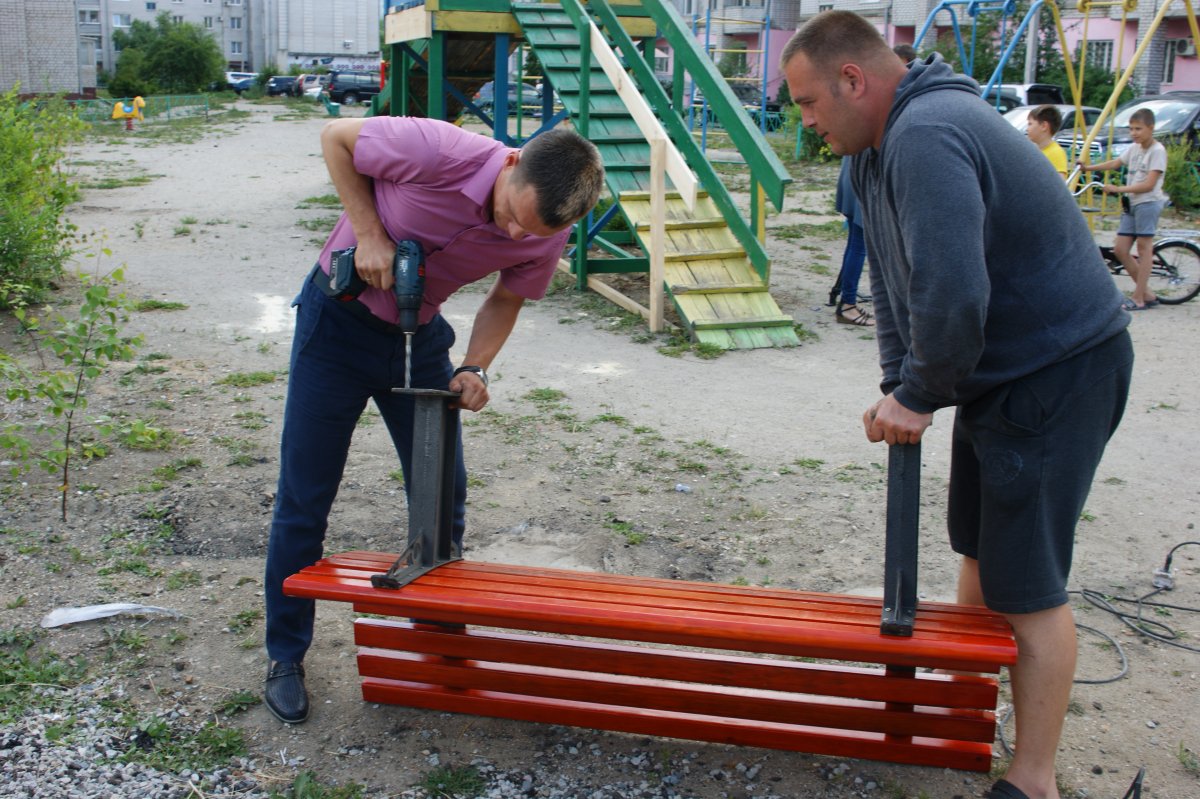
56, 46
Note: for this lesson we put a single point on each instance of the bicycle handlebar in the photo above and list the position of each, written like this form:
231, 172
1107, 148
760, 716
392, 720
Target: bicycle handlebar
1095, 184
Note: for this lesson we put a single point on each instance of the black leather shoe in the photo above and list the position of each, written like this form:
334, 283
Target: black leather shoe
284, 692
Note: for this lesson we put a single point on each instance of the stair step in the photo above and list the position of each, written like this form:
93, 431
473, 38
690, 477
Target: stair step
752, 321
717, 288
687, 224
645, 195
706, 255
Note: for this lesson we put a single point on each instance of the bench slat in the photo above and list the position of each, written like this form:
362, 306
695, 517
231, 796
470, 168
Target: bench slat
932, 614
919, 751
961, 691
794, 636
667, 695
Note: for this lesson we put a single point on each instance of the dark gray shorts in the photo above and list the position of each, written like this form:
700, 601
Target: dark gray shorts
1021, 465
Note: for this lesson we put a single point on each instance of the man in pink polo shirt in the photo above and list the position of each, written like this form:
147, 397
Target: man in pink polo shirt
477, 207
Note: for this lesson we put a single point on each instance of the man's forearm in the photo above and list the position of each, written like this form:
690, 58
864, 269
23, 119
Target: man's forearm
494, 321
357, 193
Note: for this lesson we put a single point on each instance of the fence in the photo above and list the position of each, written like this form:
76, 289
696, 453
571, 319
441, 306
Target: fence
158, 107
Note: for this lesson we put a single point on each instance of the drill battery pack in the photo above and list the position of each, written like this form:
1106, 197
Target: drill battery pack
344, 282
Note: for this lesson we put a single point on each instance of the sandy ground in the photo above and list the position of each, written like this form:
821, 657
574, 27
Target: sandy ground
790, 493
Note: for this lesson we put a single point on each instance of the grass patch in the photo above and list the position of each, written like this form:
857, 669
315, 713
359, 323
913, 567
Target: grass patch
157, 744
248, 379
834, 229
25, 673
321, 201
322, 224
119, 183
159, 305
307, 786
449, 782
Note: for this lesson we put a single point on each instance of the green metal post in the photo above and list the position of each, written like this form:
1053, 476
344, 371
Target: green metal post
585, 91
437, 76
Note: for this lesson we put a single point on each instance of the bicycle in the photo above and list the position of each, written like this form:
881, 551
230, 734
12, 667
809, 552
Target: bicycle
1175, 274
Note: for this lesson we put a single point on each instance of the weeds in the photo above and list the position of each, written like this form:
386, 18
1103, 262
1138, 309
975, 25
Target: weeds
448, 782
159, 305
247, 379
307, 786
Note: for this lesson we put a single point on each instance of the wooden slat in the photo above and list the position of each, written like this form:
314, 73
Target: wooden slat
937, 690
666, 695
917, 751
614, 617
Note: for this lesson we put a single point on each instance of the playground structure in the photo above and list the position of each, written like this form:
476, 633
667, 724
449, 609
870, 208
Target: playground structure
129, 110
1007, 8
705, 258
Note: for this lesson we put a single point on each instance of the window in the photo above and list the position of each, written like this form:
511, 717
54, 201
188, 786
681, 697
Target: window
208, 22
1100, 54
1169, 61
89, 17
824, 7
234, 2
122, 20
177, 19
235, 48
151, 6
235, 23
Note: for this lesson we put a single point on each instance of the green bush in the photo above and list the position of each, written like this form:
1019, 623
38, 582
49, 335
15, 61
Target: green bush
35, 239
1181, 183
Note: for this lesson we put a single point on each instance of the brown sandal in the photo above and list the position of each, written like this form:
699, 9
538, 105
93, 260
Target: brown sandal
860, 318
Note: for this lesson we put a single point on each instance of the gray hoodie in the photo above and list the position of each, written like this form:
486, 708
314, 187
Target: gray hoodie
983, 269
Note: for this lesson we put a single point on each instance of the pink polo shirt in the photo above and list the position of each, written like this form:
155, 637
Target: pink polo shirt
433, 183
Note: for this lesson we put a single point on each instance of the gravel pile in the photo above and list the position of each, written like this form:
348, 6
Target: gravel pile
76, 754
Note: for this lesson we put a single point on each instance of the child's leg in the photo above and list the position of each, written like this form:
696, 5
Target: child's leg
1145, 263
1122, 247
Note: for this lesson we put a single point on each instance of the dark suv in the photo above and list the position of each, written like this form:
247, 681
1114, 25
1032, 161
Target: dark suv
350, 87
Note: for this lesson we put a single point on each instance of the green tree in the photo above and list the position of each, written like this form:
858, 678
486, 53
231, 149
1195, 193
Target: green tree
35, 239
175, 57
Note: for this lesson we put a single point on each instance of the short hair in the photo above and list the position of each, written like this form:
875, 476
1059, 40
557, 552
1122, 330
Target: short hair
906, 52
566, 172
1143, 115
833, 35
1048, 114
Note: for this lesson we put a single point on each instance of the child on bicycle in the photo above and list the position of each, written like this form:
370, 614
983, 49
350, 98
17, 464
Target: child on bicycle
1143, 200
1044, 121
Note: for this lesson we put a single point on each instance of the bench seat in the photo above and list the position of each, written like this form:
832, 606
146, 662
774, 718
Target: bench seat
867, 698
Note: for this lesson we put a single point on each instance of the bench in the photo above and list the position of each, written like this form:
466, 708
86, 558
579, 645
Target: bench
884, 710
650, 656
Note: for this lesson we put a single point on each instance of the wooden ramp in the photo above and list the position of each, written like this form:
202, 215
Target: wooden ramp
721, 299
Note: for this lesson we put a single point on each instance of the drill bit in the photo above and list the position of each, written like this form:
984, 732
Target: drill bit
408, 360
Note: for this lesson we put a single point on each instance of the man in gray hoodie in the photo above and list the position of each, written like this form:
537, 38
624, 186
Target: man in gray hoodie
990, 297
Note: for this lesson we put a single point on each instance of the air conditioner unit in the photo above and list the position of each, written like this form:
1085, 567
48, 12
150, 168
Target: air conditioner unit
1185, 47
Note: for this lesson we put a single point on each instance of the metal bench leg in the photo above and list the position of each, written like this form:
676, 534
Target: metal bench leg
431, 489
900, 550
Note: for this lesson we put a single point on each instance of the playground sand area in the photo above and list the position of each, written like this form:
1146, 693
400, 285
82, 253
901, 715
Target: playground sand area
604, 448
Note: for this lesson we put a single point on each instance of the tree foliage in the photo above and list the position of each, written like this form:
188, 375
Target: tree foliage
35, 239
168, 56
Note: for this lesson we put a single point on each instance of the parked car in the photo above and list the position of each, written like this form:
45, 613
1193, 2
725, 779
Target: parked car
531, 97
1176, 120
350, 87
304, 82
237, 77
1014, 95
280, 84
243, 84
1019, 116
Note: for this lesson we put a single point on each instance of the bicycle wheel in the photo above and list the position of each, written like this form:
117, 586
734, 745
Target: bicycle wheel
1175, 277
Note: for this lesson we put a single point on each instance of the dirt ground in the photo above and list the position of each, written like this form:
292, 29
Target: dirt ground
784, 488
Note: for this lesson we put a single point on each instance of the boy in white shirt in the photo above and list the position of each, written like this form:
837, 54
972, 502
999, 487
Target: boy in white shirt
1146, 160
1044, 121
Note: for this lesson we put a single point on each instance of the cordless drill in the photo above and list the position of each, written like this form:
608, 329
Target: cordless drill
408, 287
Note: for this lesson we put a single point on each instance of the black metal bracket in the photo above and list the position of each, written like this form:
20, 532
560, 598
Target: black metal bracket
900, 548
430, 489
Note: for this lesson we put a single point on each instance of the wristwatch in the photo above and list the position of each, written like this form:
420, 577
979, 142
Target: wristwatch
474, 369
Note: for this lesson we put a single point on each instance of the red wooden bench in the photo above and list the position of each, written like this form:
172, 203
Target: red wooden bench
887, 712
721, 663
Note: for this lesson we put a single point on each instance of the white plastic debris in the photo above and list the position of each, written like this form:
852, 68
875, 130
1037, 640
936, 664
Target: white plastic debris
60, 616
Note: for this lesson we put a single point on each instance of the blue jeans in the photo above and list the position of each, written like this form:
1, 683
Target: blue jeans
337, 364
852, 262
